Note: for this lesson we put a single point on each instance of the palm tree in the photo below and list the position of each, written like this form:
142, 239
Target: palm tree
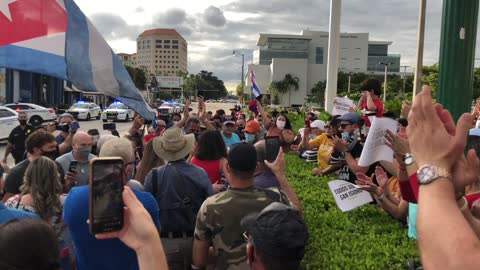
276, 87
290, 82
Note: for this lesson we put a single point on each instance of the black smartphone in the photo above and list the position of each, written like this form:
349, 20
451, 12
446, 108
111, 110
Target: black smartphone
109, 126
73, 166
105, 201
74, 126
272, 146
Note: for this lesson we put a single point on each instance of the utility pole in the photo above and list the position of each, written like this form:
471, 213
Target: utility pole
417, 80
349, 79
457, 55
404, 77
333, 53
385, 80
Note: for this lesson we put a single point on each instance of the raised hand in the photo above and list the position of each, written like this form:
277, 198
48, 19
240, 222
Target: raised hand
365, 182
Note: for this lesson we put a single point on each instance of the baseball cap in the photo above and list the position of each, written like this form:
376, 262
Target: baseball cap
318, 124
351, 117
242, 157
278, 231
229, 122
252, 127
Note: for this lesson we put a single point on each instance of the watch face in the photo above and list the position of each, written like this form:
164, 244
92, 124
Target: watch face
425, 174
408, 160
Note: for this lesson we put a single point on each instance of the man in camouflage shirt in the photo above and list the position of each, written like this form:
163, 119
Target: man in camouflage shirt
218, 220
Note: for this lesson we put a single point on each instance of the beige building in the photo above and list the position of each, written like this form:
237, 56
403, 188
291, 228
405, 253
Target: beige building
128, 59
162, 52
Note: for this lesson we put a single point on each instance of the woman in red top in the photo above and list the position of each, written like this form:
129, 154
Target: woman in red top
211, 155
369, 102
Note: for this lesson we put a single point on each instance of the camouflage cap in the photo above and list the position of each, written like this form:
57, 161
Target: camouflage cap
278, 231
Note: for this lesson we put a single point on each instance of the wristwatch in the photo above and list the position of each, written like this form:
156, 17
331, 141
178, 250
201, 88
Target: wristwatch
408, 159
428, 173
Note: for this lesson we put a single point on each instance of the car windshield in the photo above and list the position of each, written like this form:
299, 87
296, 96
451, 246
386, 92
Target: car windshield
79, 106
117, 106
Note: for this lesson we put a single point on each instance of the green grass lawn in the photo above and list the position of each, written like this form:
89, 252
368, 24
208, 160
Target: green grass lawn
364, 238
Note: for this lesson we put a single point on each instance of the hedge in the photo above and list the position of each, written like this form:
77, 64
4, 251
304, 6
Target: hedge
364, 238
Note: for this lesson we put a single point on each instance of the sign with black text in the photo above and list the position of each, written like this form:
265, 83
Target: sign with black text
347, 196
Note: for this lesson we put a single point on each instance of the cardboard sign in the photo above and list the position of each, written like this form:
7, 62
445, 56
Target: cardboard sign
375, 148
347, 196
342, 106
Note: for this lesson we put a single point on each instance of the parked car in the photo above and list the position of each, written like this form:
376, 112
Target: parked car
117, 111
8, 121
37, 114
85, 111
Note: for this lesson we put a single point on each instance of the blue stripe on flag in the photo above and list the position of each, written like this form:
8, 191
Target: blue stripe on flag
132, 99
22, 58
79, 68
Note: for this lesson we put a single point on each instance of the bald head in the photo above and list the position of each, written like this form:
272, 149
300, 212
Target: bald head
81, 137
261, 155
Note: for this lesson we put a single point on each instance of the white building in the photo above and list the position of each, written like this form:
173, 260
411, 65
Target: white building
305, 56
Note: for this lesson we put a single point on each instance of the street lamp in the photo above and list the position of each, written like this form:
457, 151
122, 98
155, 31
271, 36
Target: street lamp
385, 80
349, 77
235, 52
147, 85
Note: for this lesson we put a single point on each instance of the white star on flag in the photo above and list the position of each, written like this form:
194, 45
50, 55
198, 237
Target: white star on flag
5, 9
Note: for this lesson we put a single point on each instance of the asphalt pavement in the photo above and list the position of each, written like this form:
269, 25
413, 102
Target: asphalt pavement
122, 127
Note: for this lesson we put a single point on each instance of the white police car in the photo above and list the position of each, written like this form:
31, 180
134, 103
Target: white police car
8, 121
117, 111
85, 111
37, 114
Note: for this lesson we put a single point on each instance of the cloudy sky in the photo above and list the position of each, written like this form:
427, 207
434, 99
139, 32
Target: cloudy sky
214, 28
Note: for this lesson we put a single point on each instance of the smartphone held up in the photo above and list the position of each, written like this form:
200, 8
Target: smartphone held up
105, 201
272, 147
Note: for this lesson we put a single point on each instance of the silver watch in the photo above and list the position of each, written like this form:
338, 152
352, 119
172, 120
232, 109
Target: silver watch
408, 159
428, 173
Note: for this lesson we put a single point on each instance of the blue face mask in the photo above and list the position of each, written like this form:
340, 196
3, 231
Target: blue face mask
249, 137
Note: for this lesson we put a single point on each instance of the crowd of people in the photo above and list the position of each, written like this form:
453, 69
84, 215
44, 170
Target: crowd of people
200, 194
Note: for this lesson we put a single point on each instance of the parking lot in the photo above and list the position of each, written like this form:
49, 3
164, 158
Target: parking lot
122, 127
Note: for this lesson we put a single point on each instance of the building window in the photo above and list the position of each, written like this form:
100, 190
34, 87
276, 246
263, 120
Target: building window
158, 41
158, 46
166, 41
319, 55
166, 46
175, 41
175, 47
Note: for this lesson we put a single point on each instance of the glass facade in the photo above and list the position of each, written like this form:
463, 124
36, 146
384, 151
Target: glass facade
375, 66
319, 55
377, 50
282, 48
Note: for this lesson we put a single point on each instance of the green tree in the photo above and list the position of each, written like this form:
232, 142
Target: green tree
138, 76
430, 77
238, 90
318, 92
275, 88
290, 83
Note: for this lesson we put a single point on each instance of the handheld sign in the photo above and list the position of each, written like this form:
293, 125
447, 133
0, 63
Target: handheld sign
347, 196
342, 106
375, 148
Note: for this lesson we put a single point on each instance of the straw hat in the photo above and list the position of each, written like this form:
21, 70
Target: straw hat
173, 145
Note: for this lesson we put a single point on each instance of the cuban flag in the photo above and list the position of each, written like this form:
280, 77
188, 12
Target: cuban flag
55, 38
255, 90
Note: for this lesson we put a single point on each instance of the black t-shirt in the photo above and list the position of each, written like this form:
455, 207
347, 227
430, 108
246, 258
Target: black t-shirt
18, 136
345, 173
14, 178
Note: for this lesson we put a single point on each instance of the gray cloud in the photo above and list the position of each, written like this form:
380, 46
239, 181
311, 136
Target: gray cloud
139, 10
113, 27
173, 16
213, 16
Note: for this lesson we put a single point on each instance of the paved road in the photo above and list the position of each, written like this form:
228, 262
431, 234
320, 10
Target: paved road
122, 127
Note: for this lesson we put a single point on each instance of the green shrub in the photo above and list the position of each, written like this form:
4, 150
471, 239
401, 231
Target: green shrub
364, 238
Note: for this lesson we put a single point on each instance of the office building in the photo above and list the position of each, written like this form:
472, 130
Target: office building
305, 56
162, 52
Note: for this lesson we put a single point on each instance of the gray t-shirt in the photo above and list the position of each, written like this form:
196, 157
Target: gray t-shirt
83, 169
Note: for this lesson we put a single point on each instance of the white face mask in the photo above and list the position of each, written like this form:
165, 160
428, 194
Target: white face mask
281, 124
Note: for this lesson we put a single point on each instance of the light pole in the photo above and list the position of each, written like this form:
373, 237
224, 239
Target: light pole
404, 77
147, 85
349, 77
235, 52
385, 80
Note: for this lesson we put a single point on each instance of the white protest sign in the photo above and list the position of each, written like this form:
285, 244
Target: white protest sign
375, 148
342, 106
347, 196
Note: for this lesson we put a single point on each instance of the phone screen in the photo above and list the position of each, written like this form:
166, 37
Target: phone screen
73, 166
272, 146
75, 125
106, 204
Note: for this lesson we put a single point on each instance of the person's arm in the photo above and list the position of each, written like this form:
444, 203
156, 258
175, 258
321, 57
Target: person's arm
287, 136
331, 168
398, 211
8, 150
371, 106
390, 167
362, 99
186, 115
305, 144
140, 234
200, 253
278, 168
472, 220
137, 124
353, 164
67, 144
266, 120
445, 239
